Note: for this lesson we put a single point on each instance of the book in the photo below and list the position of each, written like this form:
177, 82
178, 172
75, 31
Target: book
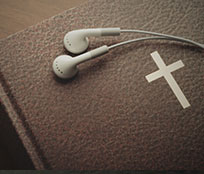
116, 114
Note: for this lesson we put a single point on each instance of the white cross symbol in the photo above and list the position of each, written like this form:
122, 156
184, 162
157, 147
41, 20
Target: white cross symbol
165, 71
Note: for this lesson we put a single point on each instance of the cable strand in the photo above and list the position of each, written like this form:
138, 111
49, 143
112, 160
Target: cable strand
140, 39
170, 37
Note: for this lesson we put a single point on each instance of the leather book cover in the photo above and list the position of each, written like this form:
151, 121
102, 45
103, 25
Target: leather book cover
122, 111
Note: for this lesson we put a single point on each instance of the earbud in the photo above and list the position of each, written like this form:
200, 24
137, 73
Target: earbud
65, 66
77, 41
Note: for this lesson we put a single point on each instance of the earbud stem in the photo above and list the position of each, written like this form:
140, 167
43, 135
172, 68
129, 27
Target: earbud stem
101, 32
91, 54
110, 31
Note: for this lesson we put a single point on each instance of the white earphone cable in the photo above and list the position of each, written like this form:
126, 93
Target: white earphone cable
170, 37
137, 40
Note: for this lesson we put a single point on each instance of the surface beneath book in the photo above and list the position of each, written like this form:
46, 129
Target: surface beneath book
124, 110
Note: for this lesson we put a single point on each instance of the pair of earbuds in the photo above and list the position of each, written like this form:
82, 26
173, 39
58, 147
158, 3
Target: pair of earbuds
76, 42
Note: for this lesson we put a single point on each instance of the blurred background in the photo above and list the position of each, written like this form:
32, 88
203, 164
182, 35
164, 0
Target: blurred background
16, 15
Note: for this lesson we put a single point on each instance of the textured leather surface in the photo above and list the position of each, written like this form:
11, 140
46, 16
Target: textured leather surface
109, 116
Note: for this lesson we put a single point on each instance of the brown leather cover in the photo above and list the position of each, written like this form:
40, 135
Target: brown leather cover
108, 117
